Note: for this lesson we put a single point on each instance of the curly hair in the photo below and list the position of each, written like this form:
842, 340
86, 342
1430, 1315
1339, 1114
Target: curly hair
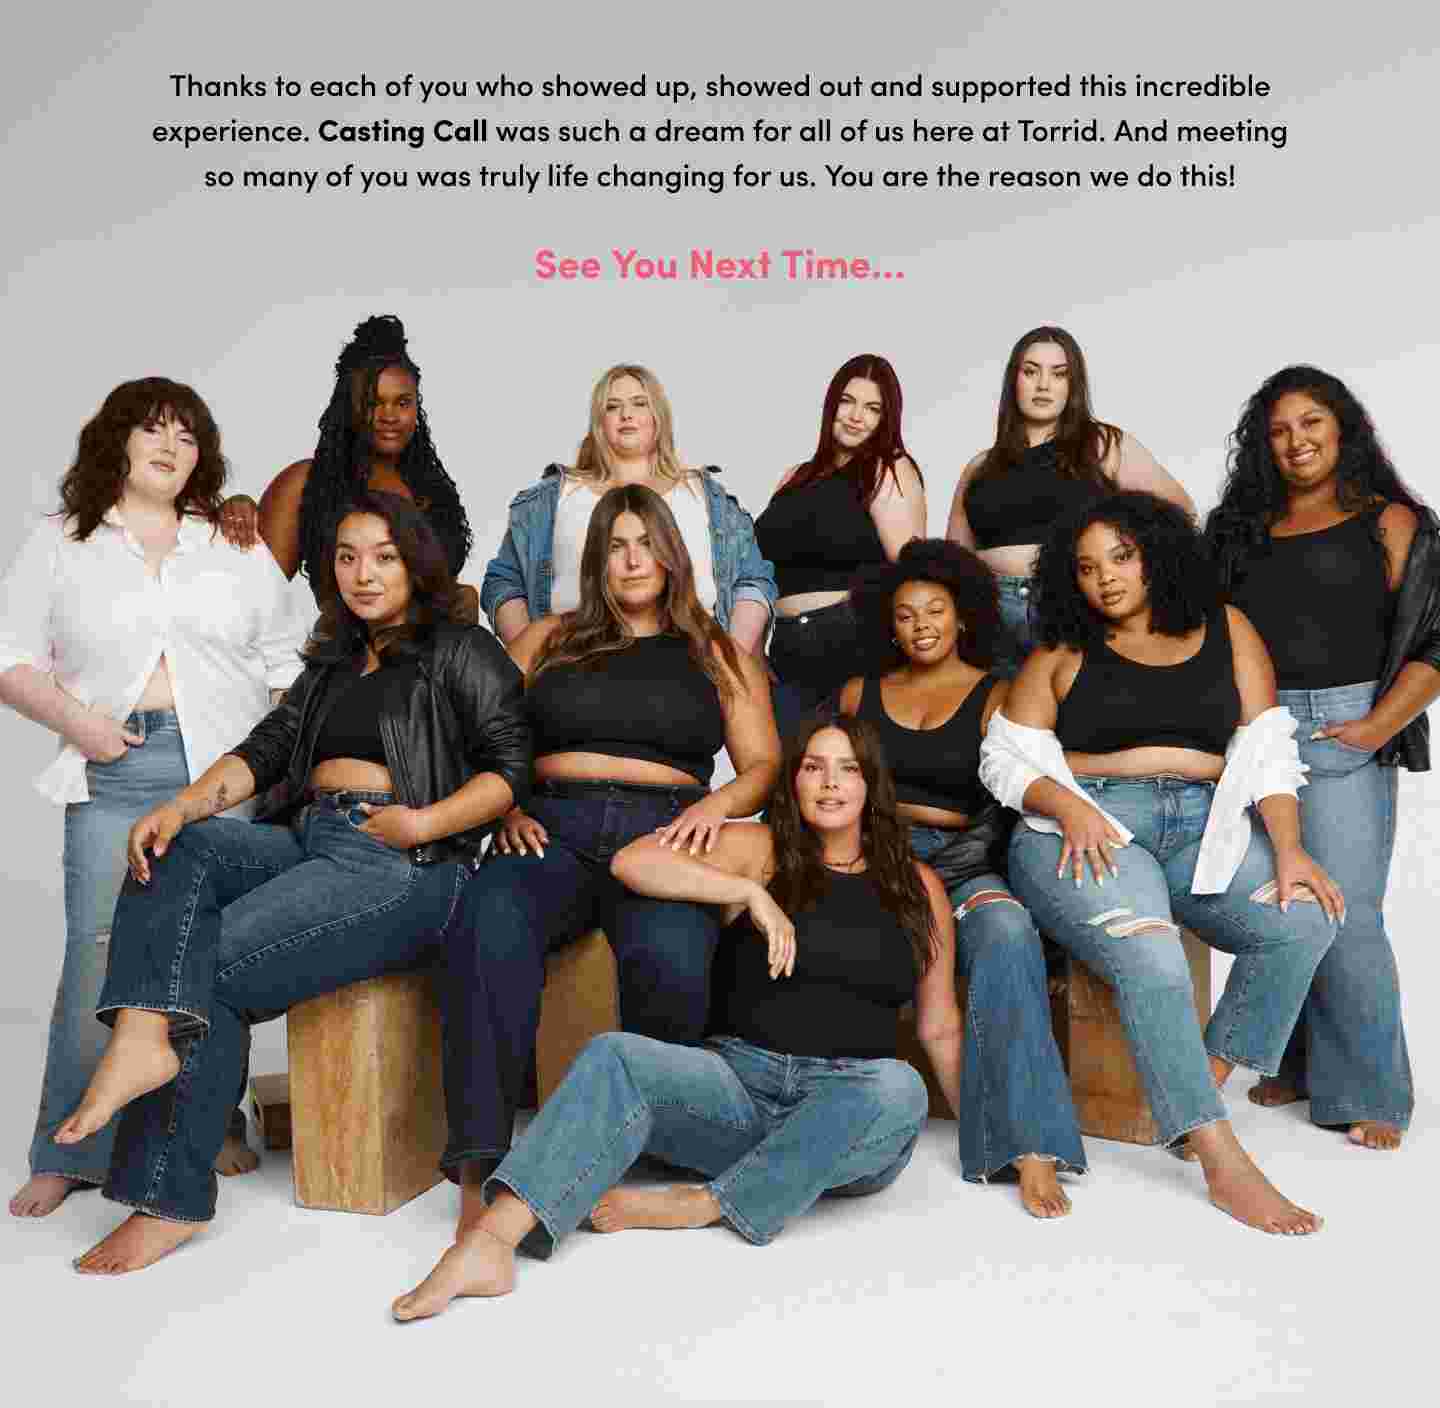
1254, 494
95, 482
867, 468
340, 466
339, 635
801, 877
595, 628
1080, 443
969, 581
1178, 572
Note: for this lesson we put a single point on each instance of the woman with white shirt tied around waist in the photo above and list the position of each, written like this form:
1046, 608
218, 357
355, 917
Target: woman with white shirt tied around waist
630, 440
1135, 740
131, 629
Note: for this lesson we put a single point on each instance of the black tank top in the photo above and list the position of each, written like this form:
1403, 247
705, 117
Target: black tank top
1322, 604
1020, 505
648, 701
854, 970
1116, 703
351, 726
817, 537
933, 767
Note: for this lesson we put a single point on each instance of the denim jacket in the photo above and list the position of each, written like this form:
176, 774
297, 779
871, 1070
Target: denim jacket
522, 568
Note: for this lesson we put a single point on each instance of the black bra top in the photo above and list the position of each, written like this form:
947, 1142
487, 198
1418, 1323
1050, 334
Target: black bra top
933, 767
351, 726
1117, 703
1019, 506
1322, 604
648, 701
817, 537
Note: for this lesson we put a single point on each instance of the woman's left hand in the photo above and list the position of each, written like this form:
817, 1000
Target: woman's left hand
1294, 868
1355, 733
699, 824
239, 520
395, 826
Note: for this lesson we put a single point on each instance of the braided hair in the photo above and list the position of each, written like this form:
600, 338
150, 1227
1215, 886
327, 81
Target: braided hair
340, 467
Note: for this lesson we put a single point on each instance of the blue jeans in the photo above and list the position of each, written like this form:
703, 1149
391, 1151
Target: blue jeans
1275, 953
1014, 1097
518, 908
1016, 638
771, 1132
238, 923
95, 833
1348, 1051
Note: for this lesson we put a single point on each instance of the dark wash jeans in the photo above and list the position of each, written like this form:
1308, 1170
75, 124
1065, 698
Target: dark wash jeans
238, 923
812, 655
518, 908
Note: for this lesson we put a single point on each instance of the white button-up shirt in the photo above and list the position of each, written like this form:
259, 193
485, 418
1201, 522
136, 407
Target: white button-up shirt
96, 618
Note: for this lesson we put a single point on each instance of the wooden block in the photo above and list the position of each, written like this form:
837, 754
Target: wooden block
270, 1097
367, 1110
581, 999
908, 1048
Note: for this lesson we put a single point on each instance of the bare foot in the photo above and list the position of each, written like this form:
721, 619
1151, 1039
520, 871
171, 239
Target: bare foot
42, 1193
481, 1265
132, 1066
1040, 1192
236, 1156
1238, 1187
622, 1208
1272, 1091
138, 1242
1373, 1134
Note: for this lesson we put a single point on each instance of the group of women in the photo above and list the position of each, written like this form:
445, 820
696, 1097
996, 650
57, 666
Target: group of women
1075, 651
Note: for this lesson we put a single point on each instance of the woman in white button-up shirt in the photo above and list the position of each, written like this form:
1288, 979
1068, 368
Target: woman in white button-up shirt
131, 629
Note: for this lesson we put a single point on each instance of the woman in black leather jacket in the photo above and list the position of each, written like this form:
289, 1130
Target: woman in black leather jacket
1337, 564
402, 740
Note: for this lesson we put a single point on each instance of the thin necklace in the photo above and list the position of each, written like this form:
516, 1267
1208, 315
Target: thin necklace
842, 864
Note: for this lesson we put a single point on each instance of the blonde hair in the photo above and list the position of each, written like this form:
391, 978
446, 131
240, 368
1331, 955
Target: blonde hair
594, 461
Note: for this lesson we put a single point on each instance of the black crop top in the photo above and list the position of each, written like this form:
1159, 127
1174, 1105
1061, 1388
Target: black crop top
1116, 703
1322, 604
933, 767
1018, 506
351, 726
854, 970
648, 701
817, 537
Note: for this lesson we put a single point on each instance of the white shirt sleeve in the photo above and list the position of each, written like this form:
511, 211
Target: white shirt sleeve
25, 601
282, 631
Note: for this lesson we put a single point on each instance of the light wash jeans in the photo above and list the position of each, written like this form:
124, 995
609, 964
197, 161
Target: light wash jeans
1348, 1051
1275, 953
772, 1132
1014, 1097
1016, 638
95, 833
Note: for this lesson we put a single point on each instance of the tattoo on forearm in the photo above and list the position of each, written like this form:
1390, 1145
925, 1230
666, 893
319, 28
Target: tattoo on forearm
198, 808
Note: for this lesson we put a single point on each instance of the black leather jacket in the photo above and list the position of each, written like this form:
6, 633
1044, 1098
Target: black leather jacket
1415, 636
464, 715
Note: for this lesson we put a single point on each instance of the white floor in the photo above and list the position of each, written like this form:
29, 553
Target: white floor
934, 1290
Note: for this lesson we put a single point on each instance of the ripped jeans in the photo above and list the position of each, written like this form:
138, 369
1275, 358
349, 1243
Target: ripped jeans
1125, 931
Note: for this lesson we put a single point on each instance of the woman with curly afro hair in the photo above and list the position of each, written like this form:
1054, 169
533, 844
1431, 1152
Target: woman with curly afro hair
373, 435
1134, 740
1338, 564
933, 615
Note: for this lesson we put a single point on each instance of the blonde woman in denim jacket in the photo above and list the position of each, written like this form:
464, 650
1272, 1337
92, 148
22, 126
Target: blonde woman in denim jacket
630, 441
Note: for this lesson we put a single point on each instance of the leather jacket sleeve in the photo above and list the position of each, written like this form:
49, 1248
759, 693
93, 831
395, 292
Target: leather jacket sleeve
488, 694
1418, 610
270, 745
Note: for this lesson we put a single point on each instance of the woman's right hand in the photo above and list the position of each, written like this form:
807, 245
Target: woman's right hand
239, 521
101, 739
1087, 837
521, 834
775, 928
154, 831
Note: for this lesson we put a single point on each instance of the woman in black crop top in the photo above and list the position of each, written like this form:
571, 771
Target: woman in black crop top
855, 503
1050, 457
630, 696
799, 1094
1142, 678
935, 609
1338, 565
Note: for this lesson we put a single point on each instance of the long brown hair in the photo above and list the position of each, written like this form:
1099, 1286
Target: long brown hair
868, 467
801, 876
596, 628
1081, 442
95, 482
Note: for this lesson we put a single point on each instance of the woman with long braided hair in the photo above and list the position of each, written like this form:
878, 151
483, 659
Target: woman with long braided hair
373, 435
